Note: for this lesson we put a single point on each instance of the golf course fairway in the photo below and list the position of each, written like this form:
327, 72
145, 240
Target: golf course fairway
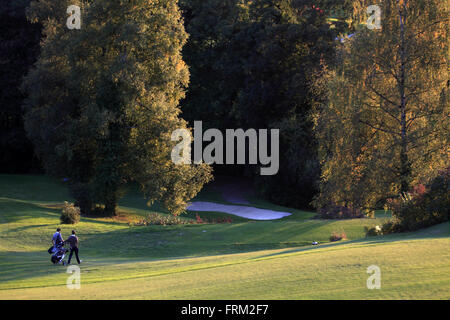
244, 259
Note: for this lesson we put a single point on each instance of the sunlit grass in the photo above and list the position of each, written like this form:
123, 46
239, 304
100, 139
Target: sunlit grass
242, 260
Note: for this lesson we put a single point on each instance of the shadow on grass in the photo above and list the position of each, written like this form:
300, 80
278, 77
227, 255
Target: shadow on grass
112, 248
17, 266
13, 210
178, 241
32, 188
44, 189
175, 242
435, 232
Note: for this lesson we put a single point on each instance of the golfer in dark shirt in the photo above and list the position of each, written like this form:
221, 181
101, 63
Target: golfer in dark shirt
73, 242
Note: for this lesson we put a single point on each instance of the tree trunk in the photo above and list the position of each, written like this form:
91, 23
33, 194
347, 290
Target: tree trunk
85, 206
83, 198
110, 205
405, 168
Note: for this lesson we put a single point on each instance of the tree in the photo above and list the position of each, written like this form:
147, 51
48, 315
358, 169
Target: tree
103, 101
385, 125
251, 62
19, 48
283, 46
212, 24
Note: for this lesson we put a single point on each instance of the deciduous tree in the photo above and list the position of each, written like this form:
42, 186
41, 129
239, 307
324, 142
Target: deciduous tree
103, 101
385, 125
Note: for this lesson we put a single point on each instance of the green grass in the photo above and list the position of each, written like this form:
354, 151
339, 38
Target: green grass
242, 260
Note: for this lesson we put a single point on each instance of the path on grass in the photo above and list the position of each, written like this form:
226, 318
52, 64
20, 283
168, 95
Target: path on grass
235, 192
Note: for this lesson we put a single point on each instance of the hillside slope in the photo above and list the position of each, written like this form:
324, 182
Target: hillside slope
242, 260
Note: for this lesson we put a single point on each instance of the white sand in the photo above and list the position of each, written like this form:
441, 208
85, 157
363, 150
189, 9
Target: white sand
241, 211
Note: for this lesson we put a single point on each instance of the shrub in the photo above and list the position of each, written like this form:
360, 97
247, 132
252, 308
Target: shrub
198, 219
215, 220
201, 220
339, 212
167, 220
161, 220
337, 236
423, 207
70, 214
391, 227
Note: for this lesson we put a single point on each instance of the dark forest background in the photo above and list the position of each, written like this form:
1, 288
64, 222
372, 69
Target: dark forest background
249, 64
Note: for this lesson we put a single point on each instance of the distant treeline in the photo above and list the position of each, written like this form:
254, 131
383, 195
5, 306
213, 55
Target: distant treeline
19, 49
362, 119
249, 65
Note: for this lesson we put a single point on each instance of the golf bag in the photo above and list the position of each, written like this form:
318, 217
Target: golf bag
58, 253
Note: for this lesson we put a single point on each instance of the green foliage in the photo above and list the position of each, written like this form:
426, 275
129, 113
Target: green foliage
251, 63
103, 101
423, 209
70, 214
339, 212
392, 226
84, 199
161, 220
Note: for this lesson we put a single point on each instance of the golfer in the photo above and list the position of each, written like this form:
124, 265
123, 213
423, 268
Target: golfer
73, 242
57, 237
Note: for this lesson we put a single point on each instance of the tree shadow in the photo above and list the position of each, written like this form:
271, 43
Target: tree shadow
163, 243
15, 209
428, 233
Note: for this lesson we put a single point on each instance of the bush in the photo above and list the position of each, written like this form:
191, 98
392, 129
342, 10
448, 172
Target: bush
70, 214
198, 219
391, 227
167, 220
337, 236
423, 207
220, 220
160, 220
339, 212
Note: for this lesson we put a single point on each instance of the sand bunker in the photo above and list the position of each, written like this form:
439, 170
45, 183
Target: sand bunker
241, 211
